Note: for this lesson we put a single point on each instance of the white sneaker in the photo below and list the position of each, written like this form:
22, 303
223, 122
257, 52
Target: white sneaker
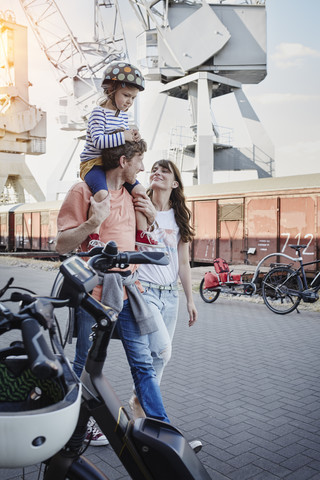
95, 243
136, 409
196, 445
94, 436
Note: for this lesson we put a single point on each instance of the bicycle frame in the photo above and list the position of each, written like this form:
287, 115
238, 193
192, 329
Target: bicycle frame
284, 287
148, 448
253, 283
300, 271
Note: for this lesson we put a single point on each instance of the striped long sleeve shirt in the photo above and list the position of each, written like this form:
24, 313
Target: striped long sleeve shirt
101, 125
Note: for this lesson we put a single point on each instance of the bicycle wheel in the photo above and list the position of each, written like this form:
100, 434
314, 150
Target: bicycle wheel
209, 295
281, 289
65, 316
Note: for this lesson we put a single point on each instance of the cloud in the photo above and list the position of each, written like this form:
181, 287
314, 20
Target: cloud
292, 54
283, 98
301, 148
297, 158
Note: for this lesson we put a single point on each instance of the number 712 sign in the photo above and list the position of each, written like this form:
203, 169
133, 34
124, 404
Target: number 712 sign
305, 240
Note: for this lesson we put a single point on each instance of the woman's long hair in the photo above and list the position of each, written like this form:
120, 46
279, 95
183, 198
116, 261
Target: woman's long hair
177, 202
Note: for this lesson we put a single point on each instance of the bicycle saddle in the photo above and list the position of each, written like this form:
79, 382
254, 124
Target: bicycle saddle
297, 247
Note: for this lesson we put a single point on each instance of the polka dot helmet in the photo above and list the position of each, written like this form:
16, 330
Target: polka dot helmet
123, 72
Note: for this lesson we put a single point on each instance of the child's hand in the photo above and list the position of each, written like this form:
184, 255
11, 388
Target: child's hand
132, 135
128, 135
136, 135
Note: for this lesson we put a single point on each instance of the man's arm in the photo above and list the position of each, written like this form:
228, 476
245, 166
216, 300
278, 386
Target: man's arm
68, 240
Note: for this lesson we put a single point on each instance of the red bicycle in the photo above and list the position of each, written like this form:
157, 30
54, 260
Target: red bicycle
224, 281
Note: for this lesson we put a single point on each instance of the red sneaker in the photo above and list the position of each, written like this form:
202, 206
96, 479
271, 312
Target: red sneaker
145, 239
94, 436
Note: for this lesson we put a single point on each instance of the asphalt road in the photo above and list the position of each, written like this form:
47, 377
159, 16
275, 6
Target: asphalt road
243, 380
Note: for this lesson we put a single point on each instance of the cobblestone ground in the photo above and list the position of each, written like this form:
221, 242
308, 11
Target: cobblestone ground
243, 380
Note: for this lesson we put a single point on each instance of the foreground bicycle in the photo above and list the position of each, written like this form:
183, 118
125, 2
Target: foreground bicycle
149, 449
284, 287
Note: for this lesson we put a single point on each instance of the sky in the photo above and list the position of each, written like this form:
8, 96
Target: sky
287, 101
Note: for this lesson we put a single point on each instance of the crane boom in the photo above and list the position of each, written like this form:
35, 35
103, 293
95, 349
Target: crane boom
77, 65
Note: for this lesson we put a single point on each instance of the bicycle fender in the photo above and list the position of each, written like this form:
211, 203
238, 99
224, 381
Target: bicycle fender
83, 469
61, 467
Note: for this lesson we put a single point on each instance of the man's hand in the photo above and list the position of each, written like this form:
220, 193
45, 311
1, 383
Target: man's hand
99, 211
142, 203
69, 240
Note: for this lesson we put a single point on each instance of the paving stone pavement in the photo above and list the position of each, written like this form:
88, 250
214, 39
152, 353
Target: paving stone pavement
243, 380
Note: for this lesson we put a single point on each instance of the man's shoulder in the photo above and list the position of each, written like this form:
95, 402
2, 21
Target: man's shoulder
80, 188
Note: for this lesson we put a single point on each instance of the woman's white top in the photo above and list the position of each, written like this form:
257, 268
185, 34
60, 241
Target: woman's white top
167, 233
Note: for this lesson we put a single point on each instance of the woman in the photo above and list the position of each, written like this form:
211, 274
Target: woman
172, 227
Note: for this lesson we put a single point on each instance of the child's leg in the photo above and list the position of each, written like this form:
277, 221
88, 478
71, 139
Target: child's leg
141, 219
143, 237
135, 190
96, 181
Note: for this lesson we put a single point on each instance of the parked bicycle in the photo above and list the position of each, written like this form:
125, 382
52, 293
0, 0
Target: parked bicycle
284, 287
148, 448
224, 281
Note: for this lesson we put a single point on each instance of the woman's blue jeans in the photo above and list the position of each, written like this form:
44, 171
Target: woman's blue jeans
163, 305
138, 354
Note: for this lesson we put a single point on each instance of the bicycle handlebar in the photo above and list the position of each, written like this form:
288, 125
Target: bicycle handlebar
36, 311
42, 361
108, 257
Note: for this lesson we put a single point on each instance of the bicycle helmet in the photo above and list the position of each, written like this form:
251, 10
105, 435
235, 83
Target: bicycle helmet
124, 73
37, 417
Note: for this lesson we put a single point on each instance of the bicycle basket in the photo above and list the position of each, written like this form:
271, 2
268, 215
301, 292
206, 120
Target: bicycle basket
37, 417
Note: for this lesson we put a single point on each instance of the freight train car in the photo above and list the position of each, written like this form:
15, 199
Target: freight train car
261, 216
29, 226
231, 219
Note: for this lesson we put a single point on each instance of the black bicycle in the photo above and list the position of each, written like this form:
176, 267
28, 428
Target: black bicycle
284, 287
148, 448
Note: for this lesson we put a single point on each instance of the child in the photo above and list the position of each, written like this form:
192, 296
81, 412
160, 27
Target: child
108, 127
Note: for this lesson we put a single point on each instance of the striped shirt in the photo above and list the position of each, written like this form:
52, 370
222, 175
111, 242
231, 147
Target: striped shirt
101, 125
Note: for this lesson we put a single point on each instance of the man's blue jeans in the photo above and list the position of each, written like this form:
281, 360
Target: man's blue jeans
138, 354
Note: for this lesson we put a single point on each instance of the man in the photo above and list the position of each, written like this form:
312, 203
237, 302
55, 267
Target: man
116, 215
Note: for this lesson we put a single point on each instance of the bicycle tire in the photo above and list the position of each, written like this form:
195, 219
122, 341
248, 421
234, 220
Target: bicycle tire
80, 469
65, 316
83, 469
208, 295
275, 287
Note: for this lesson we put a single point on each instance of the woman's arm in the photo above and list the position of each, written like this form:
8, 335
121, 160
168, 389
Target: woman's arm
185, 277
